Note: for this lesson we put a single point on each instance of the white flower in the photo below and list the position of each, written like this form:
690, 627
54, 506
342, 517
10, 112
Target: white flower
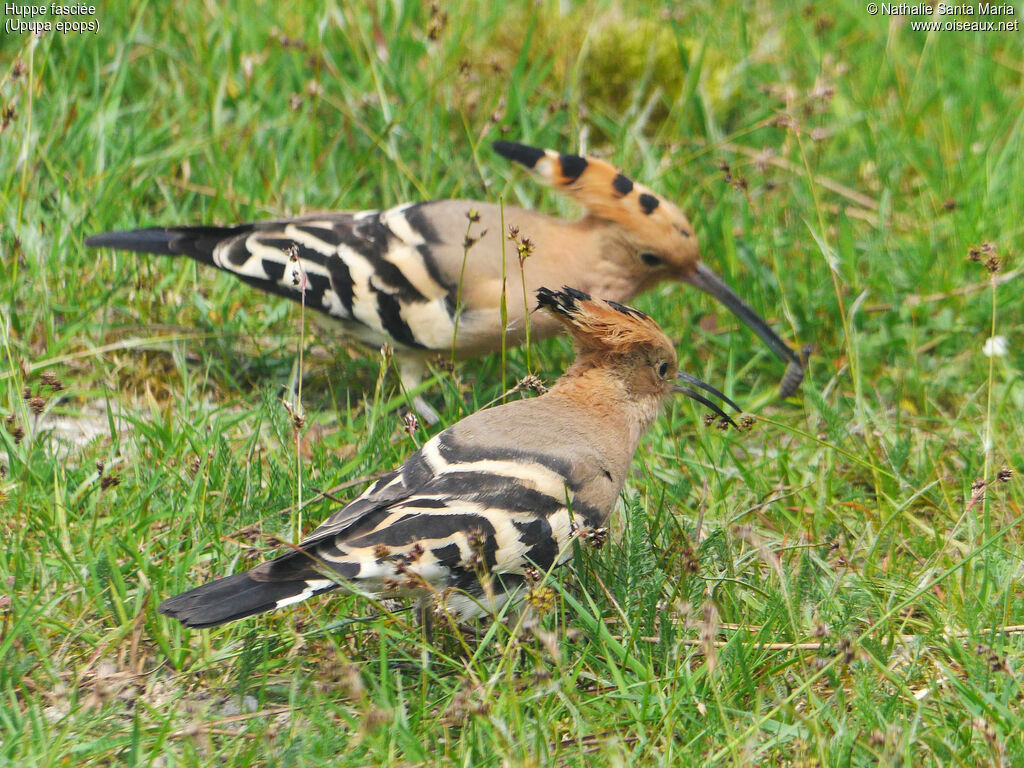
995, 346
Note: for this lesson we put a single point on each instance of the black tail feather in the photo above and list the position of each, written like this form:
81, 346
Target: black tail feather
229, 599
195, 242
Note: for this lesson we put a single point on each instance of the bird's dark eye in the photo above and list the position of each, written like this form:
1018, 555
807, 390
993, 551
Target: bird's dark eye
663, 369
650, 259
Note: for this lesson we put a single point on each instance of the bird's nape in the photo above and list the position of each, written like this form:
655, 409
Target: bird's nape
694, 395
702, 277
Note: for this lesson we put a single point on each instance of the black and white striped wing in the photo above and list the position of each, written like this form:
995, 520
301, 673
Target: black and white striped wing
371, 270
452, 514
449, 514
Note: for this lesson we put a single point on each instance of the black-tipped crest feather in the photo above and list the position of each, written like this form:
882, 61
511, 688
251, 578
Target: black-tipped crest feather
520, 153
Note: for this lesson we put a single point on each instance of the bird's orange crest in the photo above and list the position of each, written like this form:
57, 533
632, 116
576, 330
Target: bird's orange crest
606, 193
599, 322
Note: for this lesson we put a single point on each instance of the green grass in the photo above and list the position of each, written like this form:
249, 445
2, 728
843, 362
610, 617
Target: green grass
825, 590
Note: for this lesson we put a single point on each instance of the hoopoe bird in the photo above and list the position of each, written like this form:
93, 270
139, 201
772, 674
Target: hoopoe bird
493, 501
420, 279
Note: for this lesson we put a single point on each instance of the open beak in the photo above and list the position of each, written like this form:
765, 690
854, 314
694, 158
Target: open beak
709, 282
694, 395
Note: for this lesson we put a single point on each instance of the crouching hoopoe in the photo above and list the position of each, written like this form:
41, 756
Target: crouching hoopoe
409, 276
493, 500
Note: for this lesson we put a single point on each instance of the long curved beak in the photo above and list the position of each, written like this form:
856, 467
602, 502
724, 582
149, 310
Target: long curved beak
711, 283
694, 395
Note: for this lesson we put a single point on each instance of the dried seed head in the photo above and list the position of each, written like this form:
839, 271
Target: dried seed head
109, 481
996, 661
531, 383
289, 42
688, 556
847, 650
593, 537
782, 120
414, 581
7, 116
411, 423
381, 552
475, 560
473, 215
513, 232
36, 404
49, 379
415, 553
438, 21
297, 412
294, 265
824, 93
1004, 475
14, 429
476, 539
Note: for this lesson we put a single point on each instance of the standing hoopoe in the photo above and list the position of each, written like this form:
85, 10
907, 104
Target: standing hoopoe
410, 276
491, 501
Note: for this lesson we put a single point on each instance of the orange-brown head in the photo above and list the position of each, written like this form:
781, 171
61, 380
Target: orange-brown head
623, 345
652, 230
651, 237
